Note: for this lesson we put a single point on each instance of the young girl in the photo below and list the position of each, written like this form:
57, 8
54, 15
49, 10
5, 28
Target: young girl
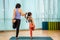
31, 23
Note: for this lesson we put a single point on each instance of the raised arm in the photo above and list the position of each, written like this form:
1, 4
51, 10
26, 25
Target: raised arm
21, 12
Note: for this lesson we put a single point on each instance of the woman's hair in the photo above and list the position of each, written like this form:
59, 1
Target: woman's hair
18, 5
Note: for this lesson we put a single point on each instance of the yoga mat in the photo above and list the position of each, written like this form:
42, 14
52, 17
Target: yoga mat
33, 38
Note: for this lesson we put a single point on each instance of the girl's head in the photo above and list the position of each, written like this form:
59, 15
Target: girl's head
29, 14
18, 5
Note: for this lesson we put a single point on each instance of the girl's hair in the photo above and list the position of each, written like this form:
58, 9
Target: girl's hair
29, 14
18, 5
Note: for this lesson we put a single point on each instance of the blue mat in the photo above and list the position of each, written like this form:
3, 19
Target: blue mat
33, 38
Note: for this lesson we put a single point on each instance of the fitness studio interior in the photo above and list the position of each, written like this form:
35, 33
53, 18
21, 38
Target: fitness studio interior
45, 14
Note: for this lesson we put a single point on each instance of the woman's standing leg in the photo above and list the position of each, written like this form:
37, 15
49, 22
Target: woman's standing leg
17, 27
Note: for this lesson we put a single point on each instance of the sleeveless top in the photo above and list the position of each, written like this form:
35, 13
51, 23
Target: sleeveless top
18, 15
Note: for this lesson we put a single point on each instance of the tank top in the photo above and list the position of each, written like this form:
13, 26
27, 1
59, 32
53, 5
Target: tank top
18, 15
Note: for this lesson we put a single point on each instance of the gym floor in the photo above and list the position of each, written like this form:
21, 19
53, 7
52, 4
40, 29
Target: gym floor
54, 34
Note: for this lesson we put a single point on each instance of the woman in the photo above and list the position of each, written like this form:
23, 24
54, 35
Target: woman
17, 13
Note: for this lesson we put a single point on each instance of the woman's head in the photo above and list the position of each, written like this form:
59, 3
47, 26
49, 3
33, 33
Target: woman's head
18, 5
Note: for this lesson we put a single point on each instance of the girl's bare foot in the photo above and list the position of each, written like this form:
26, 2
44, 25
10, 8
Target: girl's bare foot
31, 38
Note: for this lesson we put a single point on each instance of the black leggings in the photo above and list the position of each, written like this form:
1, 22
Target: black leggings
17, 26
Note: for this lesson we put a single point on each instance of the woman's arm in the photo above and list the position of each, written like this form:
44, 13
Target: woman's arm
21, 12
13, 18
14, 14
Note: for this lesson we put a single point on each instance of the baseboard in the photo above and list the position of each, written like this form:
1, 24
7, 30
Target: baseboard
20, 30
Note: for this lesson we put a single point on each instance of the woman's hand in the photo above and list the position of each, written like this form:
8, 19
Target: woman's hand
13, 21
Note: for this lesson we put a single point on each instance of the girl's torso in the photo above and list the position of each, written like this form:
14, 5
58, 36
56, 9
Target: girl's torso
30, 19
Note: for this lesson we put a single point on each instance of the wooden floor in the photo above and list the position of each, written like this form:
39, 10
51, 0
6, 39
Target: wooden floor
55, 35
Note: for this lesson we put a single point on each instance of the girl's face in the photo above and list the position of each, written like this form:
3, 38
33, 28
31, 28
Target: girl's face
29, 18
31, 15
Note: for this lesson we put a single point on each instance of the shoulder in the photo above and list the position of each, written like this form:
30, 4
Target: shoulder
31, 18
14, 9
19, 9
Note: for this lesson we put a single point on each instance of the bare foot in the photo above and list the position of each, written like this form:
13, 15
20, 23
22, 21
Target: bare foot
31, 38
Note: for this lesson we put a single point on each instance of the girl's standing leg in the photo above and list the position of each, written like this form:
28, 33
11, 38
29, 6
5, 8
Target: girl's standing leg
30, 33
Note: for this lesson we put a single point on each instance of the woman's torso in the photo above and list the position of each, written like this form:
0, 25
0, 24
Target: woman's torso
18, 15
